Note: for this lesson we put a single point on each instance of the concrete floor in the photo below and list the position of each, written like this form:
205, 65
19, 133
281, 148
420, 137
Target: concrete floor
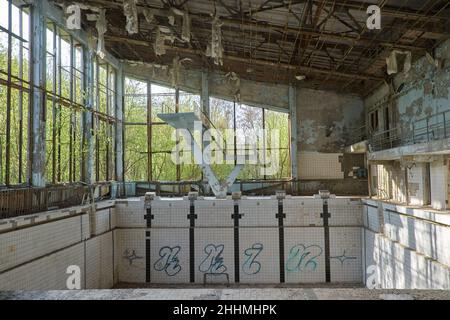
229, 293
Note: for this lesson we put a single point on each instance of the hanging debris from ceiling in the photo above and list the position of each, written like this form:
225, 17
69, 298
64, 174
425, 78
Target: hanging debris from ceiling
100, 25
234, 82
391, 62
186, 25
148, 15
130, 11
162, 34
159, 45
175, 71
215, 48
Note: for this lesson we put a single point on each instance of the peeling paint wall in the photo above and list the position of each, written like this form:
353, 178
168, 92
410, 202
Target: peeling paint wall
326, 120
425, 92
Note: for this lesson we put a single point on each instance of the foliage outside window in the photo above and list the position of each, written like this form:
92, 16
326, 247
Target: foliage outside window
14, 93
148, 140
65, 103
104, 120
149, 144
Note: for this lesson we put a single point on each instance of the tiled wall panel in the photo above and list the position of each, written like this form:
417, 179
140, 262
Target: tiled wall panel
301, 211
47, 273
170, 213
214, 255
345, 212
304, 255
214, 213
315, 165
345, 254
99, 262
26, 244
101, 221
169, 255
258, 212
259, 256
130, 213
130, 255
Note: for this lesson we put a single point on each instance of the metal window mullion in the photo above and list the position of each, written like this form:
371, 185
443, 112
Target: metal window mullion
234, 131
264, 142
8, 100
177, 110
72, 114
107, 126
54, 131
29, 120
59, 77
96, 122
149, 133
20, 100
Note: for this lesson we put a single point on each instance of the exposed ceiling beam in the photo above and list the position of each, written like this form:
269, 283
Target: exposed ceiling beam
305, 69
265, 26
390, 11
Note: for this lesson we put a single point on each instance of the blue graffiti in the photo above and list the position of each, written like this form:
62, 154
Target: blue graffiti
168, 261
302, 258
251, 266
213, 262
342, 258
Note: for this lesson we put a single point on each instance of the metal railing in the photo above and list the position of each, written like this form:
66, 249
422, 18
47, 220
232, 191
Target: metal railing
434, 127
16, 202
356, 135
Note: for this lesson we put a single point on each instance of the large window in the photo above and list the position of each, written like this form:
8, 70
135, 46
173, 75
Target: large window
136, 113
253, 128
104, 120
14, 92
240, 131
66, 97
149, 141
65, 103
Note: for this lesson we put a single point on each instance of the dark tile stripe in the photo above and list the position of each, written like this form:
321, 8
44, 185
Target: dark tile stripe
236, 216
280, 216
326, 229
192, 216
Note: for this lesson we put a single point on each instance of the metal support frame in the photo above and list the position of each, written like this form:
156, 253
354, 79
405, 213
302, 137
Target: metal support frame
293, 131
38, 78
88, 145
120, 128
204, 97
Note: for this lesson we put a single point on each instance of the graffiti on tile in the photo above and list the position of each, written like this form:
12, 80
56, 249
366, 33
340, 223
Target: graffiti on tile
213, 261
303, 258
168, 260
343, 257
251, 265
